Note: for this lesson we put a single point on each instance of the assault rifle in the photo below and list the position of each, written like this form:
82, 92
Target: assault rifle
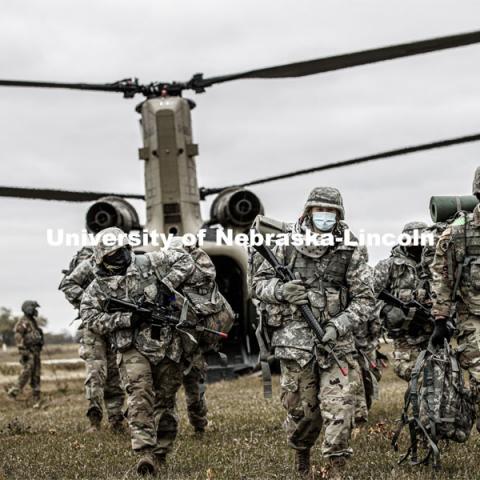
284, 273
159, 316
422, 316
417, 318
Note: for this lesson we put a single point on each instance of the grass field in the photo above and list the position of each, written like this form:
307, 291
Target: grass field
244, 441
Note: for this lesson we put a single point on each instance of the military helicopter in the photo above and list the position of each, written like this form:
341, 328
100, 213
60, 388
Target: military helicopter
172, 194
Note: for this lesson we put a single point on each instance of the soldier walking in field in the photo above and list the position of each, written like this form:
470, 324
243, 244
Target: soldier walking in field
151, 367
456, 289
334, 281
405, 277
102, 382
29, 340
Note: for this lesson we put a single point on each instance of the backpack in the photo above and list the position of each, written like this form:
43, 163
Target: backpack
438, 406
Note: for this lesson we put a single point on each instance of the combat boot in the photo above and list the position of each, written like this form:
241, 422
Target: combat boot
147, 465
36, 400
95, 418
199, 431
13, 393
117, 425
302, 462
337, 465
160, 459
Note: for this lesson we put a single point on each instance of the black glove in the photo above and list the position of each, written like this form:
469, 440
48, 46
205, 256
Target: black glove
140, 317
440, 332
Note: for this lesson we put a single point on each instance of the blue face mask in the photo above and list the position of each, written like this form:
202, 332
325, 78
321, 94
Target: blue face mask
324, 221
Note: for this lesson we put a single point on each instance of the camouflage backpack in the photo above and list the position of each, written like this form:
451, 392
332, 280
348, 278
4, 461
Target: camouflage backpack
438, 406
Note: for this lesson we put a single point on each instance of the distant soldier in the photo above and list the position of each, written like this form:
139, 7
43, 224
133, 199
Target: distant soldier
152, 369
456, 288
29, 340
402, 275
102, 383
334, 280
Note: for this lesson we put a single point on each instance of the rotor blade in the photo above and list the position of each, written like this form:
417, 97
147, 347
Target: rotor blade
345, 163
127, 86
348, 60
62, 195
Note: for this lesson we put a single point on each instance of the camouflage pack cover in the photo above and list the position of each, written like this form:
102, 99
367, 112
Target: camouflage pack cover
444, 399
328, 197
442, 408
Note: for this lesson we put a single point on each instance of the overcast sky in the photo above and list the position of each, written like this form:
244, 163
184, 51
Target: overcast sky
245, 129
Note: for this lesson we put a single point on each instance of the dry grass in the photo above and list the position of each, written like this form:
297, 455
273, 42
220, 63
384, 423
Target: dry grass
244, 441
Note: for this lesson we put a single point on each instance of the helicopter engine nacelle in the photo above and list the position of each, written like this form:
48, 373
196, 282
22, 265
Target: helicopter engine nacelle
235, 208
112, 212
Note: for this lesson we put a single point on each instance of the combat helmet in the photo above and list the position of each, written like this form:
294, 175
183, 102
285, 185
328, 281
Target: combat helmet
476, 183
325, 197
411, 226
27, 304
109, 240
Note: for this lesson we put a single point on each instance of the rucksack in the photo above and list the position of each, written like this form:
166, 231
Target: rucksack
437, 407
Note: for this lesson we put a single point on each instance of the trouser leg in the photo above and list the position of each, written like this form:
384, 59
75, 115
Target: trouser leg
137, 375
299, 397
167, 379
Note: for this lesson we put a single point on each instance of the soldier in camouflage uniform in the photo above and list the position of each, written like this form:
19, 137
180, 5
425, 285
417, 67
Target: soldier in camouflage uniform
456, 288
334, 280
402, 275
102, 382
29, 340
151, 369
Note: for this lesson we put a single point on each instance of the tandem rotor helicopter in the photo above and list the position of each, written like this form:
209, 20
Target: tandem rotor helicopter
172, 194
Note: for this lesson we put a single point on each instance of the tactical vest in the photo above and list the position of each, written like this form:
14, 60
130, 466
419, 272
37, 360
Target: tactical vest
324, 277
466, 242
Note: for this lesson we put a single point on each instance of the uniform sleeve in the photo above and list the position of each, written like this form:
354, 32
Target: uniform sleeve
74, 285
20, 330
94, 316
264, 281
442, 284
361, 299
172, 266
381, 275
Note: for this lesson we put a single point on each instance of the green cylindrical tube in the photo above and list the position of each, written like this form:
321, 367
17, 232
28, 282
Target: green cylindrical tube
444, 207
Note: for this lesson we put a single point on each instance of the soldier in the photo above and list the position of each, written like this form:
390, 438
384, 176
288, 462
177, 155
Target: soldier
334, 280
402, 275
456, 288
29, 340
151, 369
102, 382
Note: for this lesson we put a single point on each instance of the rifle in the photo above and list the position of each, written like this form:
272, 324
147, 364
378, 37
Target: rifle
413, 323
161, 316
422, 315
284, 273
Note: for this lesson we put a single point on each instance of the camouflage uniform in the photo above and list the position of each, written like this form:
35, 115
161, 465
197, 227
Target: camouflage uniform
402, 276
314, 392
29, 340
151, 369
102, 382
458, 252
